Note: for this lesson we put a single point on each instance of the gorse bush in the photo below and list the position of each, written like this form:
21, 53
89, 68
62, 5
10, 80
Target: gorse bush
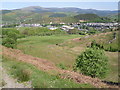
92, 62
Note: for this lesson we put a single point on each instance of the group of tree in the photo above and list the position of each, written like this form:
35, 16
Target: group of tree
10, 37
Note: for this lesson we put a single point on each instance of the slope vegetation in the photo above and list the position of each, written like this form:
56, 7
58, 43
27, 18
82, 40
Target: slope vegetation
49, 66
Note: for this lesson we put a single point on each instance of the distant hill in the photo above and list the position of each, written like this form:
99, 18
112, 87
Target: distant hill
87, 16
39, 9
5, 11
58, 15
92, 18
42, 15
115, 17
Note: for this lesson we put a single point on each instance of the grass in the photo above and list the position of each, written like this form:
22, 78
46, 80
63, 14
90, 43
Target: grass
113, 66
61, 50
39, 78
62, 66
48, 47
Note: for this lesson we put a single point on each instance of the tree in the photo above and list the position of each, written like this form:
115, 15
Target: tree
92, 62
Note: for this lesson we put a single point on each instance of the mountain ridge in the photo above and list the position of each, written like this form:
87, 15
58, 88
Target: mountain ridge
65, 9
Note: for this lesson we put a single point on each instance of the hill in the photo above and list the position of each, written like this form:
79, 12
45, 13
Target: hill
58, 15
41, 15
92, 18
87, 16
39, 9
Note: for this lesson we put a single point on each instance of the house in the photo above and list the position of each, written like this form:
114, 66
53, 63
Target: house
52, 28
82, 20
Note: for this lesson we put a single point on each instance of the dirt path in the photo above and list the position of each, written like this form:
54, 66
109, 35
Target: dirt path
10, 82
45, 65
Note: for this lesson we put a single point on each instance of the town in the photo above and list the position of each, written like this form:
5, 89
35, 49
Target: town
69, 26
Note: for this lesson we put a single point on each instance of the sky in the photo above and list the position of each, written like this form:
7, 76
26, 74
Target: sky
87, 4
59, 0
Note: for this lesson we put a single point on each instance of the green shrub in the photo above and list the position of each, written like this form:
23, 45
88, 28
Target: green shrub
92, 62
9, 42
10, 37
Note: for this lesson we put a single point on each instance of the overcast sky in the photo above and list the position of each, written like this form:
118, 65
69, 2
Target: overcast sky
87, 4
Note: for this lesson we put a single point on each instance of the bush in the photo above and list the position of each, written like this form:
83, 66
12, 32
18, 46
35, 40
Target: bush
9, 42
92, 62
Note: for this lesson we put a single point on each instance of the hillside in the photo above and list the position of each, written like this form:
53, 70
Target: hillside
92, 18
87, 16
53, 55
69, 78
40, 14
58, 15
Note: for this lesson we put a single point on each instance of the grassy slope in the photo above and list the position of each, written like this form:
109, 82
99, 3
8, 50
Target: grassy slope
39, 79
113, 64
46, 48
67, 50
36, 17
112, 56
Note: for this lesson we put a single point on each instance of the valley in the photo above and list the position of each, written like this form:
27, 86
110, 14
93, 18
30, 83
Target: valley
65, 47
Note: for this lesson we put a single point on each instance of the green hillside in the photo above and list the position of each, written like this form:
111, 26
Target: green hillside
58, 15
43, 15
87, 16
91, 18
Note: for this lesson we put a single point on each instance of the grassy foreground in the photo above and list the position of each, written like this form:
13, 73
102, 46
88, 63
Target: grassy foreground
27, 72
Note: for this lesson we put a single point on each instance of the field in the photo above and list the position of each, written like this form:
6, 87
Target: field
48, 47
63, 50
